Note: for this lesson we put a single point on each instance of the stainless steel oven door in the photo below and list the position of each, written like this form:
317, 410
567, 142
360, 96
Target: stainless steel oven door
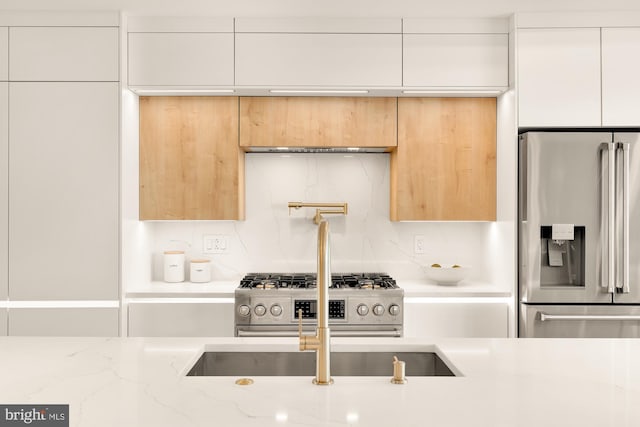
336, 331
579, 321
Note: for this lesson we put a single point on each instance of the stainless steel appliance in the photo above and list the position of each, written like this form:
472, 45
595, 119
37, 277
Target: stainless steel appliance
363, 304
579, 236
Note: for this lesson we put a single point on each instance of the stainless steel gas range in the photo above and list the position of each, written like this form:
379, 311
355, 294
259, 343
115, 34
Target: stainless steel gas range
362, 304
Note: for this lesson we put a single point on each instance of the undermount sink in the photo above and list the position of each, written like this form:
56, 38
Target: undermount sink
221, 363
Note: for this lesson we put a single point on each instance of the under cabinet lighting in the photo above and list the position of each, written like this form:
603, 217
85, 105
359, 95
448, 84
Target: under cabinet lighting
452, 92
318, 91
163, 91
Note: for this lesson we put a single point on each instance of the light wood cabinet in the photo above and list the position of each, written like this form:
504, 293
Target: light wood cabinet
444, 168
620, 76
318, 122
559, 77
63, 191
191, 167
63, 54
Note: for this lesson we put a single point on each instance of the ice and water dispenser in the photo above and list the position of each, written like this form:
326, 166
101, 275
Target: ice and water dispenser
562, 255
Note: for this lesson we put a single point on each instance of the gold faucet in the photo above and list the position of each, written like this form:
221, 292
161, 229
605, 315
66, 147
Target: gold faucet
321, 341
321, 209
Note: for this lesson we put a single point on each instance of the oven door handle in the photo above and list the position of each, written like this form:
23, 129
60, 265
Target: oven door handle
546, 317
394, 333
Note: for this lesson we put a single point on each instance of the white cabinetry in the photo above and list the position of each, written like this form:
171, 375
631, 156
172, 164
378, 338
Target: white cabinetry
63, 54
329, 53
212, 319
3, 321
63, 191
4, 53
620, 76
180, 59
559, 77
4, 192
79, 322
455, 60
456, 319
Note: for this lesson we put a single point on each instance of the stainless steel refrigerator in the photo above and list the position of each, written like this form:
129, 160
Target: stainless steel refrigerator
579, 234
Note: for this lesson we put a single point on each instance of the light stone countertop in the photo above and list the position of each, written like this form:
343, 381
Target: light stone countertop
504, 382
225, 289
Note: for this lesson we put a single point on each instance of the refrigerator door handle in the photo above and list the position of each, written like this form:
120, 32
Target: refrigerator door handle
547, 317
623, 148
608, 214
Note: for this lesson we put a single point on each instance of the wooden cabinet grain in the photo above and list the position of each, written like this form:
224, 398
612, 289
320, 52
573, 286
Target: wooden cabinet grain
318, 122
444, 168
191, 167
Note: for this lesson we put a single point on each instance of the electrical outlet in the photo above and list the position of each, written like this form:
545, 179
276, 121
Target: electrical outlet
418, 244
215, 244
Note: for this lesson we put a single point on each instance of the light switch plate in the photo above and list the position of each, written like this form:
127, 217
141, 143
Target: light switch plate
418, 244
215, 244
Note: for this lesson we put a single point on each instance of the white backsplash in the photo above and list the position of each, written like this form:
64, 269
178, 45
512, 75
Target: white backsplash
271, 240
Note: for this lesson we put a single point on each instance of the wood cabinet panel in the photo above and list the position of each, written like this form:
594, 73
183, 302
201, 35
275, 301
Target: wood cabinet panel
191, 167
318, 122
445, 165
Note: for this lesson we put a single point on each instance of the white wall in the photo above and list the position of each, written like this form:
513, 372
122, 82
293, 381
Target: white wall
365, 240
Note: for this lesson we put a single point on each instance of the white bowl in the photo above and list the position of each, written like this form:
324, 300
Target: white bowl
447, 275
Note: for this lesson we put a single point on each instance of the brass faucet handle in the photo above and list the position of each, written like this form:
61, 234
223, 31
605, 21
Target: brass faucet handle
300, 322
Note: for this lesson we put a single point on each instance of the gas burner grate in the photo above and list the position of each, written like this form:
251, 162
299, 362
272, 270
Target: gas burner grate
363, 281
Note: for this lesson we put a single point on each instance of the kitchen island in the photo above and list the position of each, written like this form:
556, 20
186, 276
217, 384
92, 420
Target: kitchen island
500, 382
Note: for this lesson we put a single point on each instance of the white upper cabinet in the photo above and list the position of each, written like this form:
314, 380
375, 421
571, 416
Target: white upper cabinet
63, 54
620, 76
314, 53
180, 59
559, 77
4, 54
455, 53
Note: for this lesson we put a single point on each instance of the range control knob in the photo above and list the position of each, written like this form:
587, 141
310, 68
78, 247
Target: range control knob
394, 309
362, 310
378, 310
260, 310
244, 310
276, 310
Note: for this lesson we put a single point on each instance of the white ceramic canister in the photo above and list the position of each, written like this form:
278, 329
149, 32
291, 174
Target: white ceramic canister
174, 266
200, 271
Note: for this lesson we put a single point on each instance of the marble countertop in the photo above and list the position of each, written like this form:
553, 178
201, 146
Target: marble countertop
504, 382
413, 288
